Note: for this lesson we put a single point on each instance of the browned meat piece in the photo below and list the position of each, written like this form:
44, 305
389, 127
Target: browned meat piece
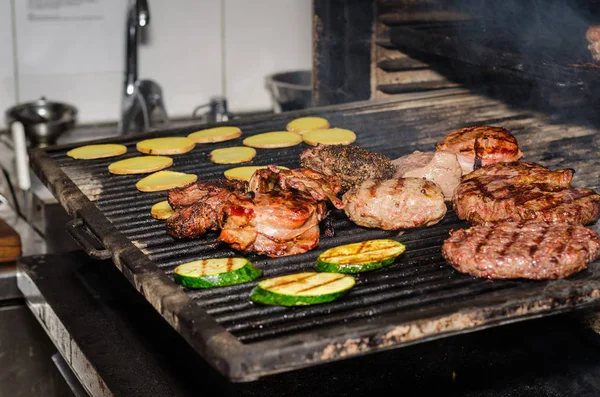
203, 191
199, 206
524, 172
441, 168
320, 187
593, 37
352, 164
534, 250
278, 223
477, 146
524, 195
392, 204
193, 220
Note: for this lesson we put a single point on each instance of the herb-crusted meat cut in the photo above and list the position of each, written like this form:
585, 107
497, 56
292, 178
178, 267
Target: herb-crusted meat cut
351, 164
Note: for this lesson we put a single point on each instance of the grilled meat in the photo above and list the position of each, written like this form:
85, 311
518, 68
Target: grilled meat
441, 168
193, 221
524, 191
277, 223
320, 187
199, 206
531, 249
204, 191
593, 37
352, 164
524, 172
477, 146
392, 204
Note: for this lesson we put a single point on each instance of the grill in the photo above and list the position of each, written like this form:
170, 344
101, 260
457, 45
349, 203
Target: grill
416, 299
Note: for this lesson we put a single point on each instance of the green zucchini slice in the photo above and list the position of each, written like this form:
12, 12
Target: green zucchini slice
302, 289
359, 257
217, 272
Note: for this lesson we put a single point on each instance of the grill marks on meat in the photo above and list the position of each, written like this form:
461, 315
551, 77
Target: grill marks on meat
441, 168
524, 191
593, 37
531, 249
351, 164
203, 191
481, 145
277, 223
320, 187
199, 206
393, 204
279, 216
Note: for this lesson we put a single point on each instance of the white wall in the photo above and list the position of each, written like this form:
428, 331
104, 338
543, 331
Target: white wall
194, 49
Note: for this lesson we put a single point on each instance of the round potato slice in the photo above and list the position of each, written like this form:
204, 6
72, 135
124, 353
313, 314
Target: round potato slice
305, 124
232, 155
245, 173
161, 210
91, 152
173, 145
165, 180
217, 134
273, 140
140, 165
331, 136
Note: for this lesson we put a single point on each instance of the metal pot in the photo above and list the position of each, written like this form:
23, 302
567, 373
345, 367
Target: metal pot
44, 121
291, 90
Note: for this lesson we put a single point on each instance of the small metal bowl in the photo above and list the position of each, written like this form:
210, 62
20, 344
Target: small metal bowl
291, 90
44, 121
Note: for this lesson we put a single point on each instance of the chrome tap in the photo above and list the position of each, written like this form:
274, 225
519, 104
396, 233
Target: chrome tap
141, 98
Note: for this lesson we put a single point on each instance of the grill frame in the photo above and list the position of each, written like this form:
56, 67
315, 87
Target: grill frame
245, 362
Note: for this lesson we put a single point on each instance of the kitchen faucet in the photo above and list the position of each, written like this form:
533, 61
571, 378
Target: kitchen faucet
141, 98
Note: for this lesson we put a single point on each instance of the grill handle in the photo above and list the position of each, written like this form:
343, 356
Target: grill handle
83, 236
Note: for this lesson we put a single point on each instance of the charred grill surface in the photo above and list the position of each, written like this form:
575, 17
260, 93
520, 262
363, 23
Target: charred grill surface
351, 164
533, 250
387, 308
515, 192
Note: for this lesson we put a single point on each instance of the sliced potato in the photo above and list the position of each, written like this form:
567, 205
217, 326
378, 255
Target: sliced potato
217, 134
273, 140
165, 180
305, 124
140, 165
232, 155
161, 210
331, 136
173, 145
245, 173
91, 152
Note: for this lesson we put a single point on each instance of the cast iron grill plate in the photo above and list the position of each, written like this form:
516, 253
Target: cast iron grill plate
416, 299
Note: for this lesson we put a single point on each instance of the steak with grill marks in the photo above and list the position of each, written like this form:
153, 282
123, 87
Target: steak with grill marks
481, 145
351, 164
531, 249
393, 204
524, 191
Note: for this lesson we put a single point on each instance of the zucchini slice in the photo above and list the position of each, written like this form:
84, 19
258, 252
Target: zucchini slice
217, 272
359, 257
302, 289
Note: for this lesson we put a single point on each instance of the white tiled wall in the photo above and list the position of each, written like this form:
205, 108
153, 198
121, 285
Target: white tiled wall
193, 49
